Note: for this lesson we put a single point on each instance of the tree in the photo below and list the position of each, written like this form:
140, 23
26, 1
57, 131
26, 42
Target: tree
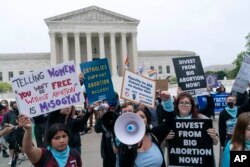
237, 62
173, 80
5, 87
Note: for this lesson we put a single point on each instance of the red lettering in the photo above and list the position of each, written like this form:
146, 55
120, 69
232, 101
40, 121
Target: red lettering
60, 84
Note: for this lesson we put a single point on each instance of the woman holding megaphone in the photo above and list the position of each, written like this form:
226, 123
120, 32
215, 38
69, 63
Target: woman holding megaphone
147, 152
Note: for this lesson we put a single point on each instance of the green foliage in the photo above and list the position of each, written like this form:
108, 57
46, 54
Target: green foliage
237, 62
5, 87
248, 41
173, 80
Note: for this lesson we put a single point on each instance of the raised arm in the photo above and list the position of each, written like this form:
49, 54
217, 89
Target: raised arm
33, 153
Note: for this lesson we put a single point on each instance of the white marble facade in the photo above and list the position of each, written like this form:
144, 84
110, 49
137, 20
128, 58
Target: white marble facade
92, 33
88, 34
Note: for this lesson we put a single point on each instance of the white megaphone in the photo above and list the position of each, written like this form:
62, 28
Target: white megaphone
129, 128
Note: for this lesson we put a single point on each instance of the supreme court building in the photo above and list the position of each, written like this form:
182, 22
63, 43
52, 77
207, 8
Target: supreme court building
88, 34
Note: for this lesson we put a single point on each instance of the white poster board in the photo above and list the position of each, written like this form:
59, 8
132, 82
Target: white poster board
47, 90
243, 77
138, 89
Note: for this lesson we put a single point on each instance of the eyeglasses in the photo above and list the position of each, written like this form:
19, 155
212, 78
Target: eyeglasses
125, 111
184, 104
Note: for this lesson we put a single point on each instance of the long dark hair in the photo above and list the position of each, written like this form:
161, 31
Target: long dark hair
238, 138
128, 153
147, 113
54, 129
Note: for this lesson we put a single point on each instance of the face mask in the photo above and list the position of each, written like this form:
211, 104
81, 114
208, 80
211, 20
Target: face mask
81, 82
230, 104
16, 111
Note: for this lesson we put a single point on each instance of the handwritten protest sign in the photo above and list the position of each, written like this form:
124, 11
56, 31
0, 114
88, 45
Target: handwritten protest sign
47, 90
190, 75
243, 77
137, 88
97, 80
191, 145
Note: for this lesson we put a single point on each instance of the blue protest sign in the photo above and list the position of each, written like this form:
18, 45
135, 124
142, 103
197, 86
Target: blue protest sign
97, 80
219, 101
202, 101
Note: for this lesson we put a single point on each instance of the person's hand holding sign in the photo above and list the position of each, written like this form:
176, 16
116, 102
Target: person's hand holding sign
24, 121
212, 133
170, 135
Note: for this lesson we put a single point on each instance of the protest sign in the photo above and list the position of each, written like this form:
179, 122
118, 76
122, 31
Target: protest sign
211, 80
47, 90
190, 75
191, 146
243, 77
161, 84
138, 89
97, 80
202, 101
219, 101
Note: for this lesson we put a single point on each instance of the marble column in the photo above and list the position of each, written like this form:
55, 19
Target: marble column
65, 47
113, 54
77, 51
134, 52
53, 54
124, 50
101, 45
89, 47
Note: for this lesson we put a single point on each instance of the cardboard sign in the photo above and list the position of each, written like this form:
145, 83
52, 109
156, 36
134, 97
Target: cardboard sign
191, 146
97, 80
190, 75
48, 90
161, 84
138, 89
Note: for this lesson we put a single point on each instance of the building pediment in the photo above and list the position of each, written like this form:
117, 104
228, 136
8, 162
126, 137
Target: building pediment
92, 14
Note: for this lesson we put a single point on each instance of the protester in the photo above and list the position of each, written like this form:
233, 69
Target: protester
107, 154
14, 138
241, 138
158, 96
221, 89
227, 120
246, 105
5, 103
74, 125
127, 107
3, 132
85, 104
58, 152
148, 151
185, 108
165, 110
208, 109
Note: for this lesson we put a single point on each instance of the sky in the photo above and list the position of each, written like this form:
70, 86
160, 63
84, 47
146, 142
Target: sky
213, 29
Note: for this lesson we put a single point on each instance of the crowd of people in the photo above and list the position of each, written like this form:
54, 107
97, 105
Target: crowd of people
58, 141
